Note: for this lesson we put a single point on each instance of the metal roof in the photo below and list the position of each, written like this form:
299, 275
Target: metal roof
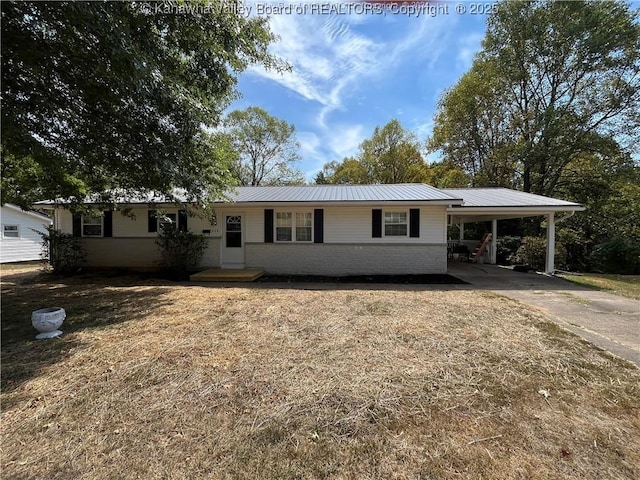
458, 199
504, 197
411, 192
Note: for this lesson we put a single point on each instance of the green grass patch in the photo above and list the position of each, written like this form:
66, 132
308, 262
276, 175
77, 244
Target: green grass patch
625, 285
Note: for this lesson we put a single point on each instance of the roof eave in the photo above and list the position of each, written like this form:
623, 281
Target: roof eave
534, 209
351, 203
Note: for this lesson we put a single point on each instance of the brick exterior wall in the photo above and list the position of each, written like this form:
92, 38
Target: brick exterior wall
347, 259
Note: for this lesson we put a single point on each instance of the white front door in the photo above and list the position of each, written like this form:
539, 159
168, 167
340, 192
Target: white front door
232, 255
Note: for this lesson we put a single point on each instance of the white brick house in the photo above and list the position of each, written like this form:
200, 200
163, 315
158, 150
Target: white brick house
323, 229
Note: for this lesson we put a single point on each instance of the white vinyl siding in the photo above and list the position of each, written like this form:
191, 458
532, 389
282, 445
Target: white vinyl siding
135, 224
353, 225
341, 224
28, 243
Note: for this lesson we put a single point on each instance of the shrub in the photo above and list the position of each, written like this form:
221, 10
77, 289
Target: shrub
180, 251
533, 251
506, 248
618, 255
61, 252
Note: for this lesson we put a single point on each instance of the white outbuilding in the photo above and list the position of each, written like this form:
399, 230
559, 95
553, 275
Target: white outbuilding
20, 240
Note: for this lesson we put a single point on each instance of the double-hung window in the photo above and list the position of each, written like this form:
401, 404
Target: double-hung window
284, 227
10, 231
294, 226
303, 227
395, 224
91, 226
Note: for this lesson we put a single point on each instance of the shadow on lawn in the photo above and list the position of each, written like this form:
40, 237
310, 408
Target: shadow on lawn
90, 301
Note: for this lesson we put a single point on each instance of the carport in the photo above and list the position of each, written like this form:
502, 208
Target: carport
493, 204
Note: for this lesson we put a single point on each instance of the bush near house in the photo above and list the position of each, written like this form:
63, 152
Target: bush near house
180, 252
506, 247
62, 253
533, 251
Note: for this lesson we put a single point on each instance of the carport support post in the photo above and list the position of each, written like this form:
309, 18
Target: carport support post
461, 227
493, 246
551, 243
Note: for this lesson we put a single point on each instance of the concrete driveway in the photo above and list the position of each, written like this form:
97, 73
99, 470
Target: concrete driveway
608, 321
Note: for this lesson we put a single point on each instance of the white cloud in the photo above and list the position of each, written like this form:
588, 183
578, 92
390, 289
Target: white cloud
326, 56
335, 144
344, 140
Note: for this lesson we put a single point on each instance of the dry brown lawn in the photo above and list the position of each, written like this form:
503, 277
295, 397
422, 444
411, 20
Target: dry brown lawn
158, 380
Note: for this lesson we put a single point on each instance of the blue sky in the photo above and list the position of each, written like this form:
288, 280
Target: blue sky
354, 72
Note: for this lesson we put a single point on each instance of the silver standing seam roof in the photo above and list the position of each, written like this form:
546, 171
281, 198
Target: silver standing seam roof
456, 198
342, 193
504, 197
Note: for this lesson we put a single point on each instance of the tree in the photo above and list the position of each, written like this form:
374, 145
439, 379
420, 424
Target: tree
266, 148
118, 96
391, 155
554, 81
350, 171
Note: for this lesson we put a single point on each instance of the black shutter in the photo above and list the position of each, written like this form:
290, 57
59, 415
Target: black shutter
182, 220
268, 225
318, 225
414, 222
108, 224
77, 225
153, 221
376, 223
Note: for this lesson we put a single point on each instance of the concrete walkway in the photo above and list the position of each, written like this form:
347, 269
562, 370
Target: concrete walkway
608, 321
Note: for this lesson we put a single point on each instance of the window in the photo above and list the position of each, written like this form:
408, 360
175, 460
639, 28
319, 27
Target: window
234, 231
91, 226
294, 226
10, 231
168, 220
303, 227
395, 224
284, 226
159, 220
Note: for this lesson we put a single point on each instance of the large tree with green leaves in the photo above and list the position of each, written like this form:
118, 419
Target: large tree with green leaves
266, 148
391, 155
120, 96
554, 81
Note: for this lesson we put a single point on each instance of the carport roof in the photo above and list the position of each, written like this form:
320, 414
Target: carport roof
482, 204
503, 197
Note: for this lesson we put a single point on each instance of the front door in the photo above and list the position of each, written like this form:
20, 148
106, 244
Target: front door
232, 255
